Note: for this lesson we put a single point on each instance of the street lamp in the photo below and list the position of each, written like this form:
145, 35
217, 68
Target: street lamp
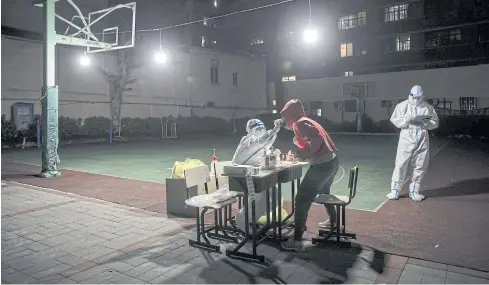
85, 60
161, 56
310, 34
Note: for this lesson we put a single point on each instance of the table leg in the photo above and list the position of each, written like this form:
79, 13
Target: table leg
279, 201
268, 207
253, 227
274, 211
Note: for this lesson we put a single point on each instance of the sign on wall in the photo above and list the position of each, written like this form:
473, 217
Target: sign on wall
23, 115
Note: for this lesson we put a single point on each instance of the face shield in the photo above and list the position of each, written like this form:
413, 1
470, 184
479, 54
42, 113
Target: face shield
255, 126
416, 95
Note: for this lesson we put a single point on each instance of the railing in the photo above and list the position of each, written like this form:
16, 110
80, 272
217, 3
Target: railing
452, 112
168, 129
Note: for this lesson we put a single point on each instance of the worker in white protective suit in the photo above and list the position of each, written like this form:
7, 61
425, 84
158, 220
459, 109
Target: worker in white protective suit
414, 117
251, 146
248, 152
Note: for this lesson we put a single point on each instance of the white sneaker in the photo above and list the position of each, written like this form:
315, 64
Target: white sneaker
326, 225
393, 195
292, 244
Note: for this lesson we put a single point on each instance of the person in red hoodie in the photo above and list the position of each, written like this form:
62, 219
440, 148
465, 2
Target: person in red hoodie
313, 144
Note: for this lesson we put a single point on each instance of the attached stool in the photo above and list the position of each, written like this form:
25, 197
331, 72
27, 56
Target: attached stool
340, 202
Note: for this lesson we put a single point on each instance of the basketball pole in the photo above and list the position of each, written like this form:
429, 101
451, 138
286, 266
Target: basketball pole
49, 97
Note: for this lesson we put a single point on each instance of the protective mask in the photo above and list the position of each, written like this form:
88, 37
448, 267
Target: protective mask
416, 100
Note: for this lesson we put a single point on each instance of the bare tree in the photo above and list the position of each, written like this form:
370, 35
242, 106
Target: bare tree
119, 83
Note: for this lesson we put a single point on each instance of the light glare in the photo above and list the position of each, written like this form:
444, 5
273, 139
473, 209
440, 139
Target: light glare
310, 35
161, 57
85, 60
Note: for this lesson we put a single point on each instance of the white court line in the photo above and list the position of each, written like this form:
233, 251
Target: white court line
442, 147
342, 175
70, 169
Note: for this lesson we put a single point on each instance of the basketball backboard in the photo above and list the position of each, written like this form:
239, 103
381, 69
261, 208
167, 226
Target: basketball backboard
107, 29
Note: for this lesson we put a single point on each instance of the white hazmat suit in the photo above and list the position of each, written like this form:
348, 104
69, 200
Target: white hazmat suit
248, 152
251, 146
414, 117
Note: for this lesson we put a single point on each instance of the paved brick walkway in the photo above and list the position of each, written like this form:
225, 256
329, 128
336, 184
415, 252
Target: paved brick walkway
54, 237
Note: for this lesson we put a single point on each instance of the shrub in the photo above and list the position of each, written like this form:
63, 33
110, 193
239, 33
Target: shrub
10, 136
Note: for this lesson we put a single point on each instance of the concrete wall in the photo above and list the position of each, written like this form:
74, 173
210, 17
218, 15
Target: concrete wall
186, 81
448, 83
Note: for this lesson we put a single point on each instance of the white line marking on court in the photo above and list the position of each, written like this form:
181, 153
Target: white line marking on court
70, 169
380, 206
342, 175
442, 147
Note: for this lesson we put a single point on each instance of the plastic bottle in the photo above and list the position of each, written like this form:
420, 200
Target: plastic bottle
213, 161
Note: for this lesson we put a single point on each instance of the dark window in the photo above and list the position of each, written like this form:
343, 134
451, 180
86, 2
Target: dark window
484, 33
351, 106
388, 45
214, 71
235, 79
443, 38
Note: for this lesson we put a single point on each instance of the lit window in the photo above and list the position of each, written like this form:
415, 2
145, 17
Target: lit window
274, 102
396, 13
352, 21
455, 35
274, 111
468, 103
256, 41
317, 112
403, 42
288, 78
202, 41
348, 73
346, 49
215, 3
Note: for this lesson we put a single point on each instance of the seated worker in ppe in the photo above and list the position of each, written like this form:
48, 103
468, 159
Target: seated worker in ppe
248, 152
414, 117
314, 145
251, 146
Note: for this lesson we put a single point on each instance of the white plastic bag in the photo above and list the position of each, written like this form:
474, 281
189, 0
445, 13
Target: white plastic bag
222, 194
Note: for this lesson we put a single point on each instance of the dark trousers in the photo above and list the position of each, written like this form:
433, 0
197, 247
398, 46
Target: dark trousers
318, 180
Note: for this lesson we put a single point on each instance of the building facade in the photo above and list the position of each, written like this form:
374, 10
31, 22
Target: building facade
198, 81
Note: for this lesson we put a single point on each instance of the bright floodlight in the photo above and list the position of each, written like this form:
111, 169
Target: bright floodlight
310, 35
85, 60
161, 57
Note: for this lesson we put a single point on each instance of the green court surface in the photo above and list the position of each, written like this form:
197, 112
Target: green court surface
150, 161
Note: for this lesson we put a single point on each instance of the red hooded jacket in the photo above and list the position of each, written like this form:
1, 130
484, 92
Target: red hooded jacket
313, 141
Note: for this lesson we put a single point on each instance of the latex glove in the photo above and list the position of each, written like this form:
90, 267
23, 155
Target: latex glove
278, 123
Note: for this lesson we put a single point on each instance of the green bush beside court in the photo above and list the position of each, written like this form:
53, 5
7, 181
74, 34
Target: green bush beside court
77, 129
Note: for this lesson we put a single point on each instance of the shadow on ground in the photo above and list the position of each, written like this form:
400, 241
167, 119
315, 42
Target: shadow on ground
172, 260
